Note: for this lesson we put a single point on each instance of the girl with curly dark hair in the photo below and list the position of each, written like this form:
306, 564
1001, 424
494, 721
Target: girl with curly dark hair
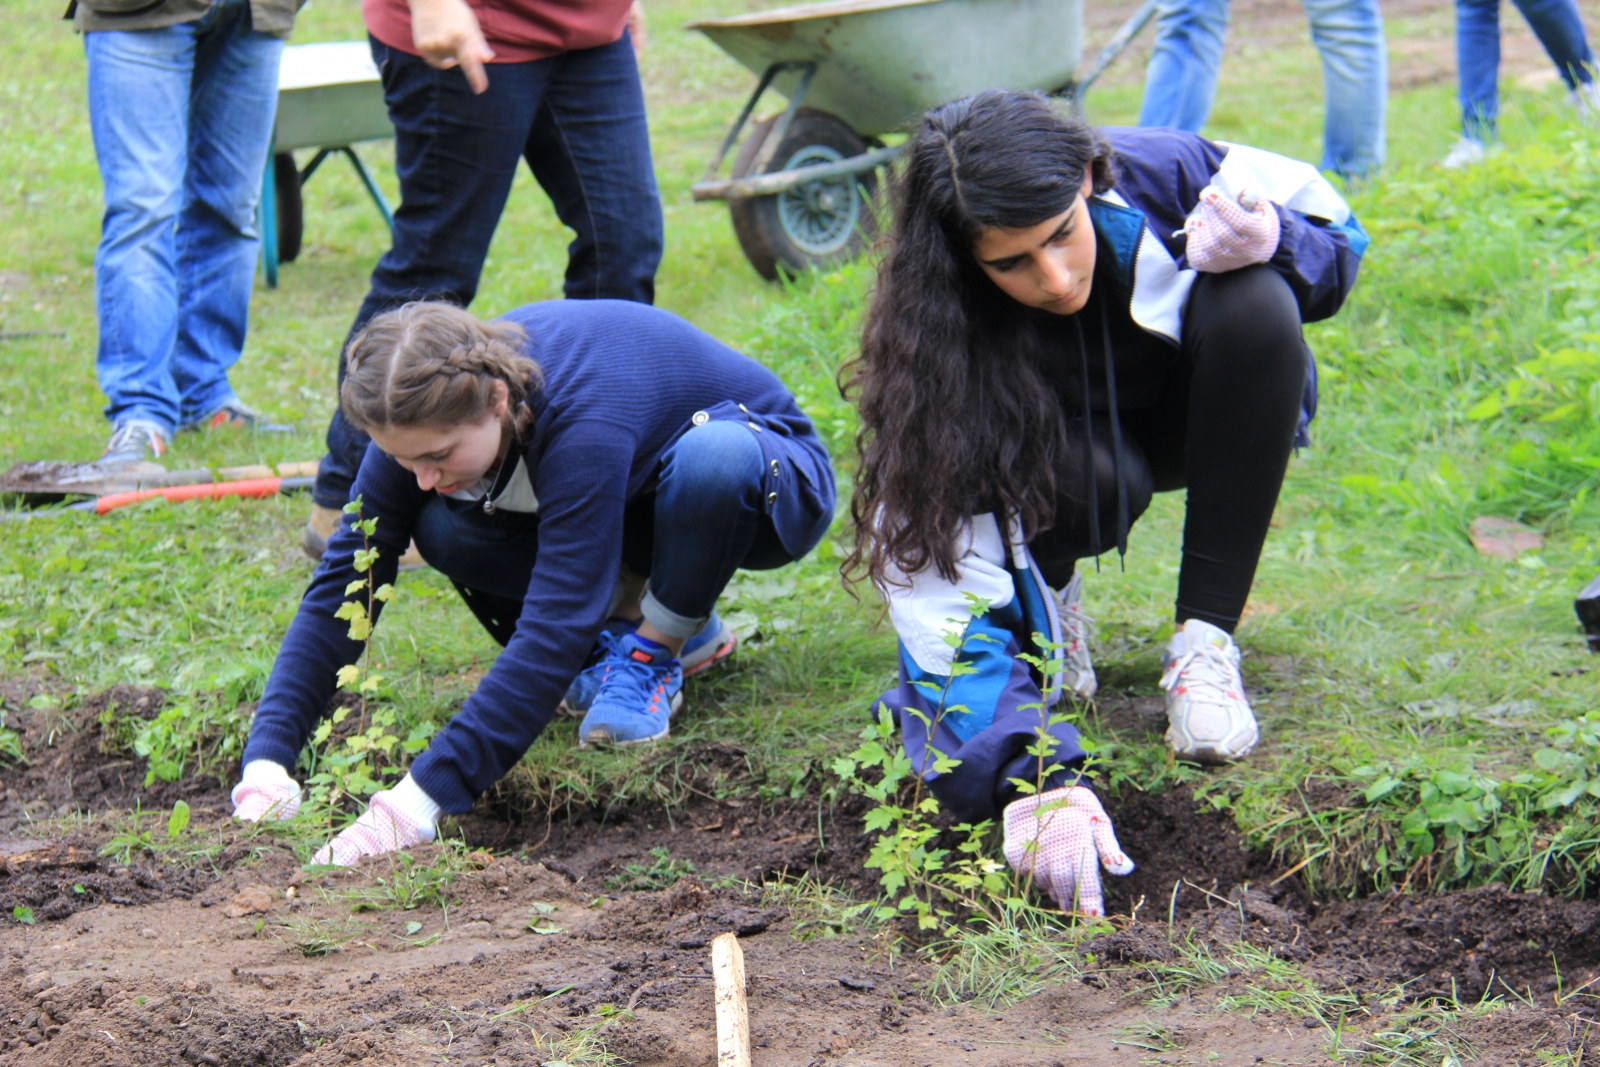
1068, 320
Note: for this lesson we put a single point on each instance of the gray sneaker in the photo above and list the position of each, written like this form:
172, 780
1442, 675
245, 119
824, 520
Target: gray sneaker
134, 441
236, 413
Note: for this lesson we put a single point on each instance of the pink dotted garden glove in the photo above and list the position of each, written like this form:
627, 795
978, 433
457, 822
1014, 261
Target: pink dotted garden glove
1226, 234
1062, 837
265, 791
395, 819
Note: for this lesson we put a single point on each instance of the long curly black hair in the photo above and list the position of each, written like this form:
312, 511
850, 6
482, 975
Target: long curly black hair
957, 417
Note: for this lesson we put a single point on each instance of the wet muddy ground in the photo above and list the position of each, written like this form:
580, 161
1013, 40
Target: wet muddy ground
238, 958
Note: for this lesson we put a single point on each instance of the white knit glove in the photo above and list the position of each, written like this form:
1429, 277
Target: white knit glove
265, 790
1226, 234
1062, 837
395, 819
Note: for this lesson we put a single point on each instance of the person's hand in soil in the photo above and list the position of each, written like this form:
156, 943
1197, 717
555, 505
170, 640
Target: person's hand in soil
395, 819
265, 791
1062, 837
1227, 234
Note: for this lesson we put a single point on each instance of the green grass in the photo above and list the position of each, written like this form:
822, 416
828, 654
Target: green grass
1404, 674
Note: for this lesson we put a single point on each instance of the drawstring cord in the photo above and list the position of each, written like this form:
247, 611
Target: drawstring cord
1118, 468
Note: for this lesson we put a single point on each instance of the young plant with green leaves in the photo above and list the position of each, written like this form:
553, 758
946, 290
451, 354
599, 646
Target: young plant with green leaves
918, 874
354, 763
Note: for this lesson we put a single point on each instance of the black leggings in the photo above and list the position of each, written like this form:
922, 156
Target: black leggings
1223, 427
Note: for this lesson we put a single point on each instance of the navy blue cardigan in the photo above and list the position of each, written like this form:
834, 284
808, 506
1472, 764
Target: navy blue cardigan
622, 382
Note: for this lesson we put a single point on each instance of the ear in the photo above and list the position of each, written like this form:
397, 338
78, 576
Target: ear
1088, 182
502, 399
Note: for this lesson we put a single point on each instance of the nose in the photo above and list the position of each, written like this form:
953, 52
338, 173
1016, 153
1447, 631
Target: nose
427, 477
1054, 278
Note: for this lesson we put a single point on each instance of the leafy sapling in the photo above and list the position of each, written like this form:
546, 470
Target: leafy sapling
350, 768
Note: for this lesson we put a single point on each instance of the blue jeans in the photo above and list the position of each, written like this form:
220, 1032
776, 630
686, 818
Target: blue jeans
703, 520
1182, 77
579, 121
181, 119
1559, 29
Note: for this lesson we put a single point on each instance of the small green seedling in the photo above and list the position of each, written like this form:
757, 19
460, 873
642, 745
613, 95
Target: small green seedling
178, 821
23, 914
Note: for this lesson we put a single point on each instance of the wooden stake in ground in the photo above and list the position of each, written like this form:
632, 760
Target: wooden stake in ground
733, 1016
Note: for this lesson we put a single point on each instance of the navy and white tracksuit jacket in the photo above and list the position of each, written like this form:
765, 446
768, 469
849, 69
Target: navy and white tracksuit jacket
993, 707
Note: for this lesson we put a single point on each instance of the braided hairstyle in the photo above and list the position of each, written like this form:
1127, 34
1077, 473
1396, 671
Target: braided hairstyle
434, 364
957, 415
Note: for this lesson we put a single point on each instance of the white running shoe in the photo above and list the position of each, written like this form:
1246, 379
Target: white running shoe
1209, 719
1465, 153
1585, 100
1079, 677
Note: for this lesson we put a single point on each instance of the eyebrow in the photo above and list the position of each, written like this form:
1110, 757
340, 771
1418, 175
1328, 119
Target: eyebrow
1071, 219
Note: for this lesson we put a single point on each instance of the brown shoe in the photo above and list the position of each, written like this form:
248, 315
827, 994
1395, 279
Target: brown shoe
322, 524
319, 528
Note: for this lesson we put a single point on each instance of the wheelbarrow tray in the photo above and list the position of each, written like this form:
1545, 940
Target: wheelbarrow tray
880, 63
329, 94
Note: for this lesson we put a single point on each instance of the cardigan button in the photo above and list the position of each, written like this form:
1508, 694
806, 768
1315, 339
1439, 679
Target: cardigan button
772, 498
699, 418
774, 468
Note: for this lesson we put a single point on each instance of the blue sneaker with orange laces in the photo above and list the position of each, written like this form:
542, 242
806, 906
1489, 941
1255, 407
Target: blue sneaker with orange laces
714, 643
641, 686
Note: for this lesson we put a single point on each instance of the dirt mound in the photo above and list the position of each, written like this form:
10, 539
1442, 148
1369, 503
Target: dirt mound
74, 766
1472, 942
103, 1022
737, 837
1173, 840
52, 881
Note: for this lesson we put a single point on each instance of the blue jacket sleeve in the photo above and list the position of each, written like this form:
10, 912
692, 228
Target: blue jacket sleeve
581, 483
304, 676
1318, 260
985, 716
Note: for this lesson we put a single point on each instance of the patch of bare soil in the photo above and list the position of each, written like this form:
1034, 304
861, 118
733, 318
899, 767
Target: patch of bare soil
239, 960
74, 767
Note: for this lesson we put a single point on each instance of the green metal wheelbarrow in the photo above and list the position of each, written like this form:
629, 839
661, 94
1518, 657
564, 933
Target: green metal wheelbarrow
853, 70
330, 99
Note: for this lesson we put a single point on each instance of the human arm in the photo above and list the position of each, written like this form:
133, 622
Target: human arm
581, 483
447, 35
305, 674
637, 30
965, 693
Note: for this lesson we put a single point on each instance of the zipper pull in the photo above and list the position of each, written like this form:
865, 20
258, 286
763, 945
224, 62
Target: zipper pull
488, 506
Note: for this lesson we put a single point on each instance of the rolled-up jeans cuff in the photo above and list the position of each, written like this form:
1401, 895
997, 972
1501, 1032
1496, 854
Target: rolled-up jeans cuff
668, 621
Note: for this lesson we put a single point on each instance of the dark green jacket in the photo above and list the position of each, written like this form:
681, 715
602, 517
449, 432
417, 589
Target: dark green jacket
266, 16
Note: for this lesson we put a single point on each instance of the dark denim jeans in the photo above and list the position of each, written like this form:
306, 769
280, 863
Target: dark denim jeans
703, 520
1559, 28
579, 121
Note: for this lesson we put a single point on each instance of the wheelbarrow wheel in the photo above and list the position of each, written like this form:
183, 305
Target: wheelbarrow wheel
815, 225
291, 217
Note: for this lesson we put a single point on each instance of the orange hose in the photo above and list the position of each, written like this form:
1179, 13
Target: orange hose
255, 487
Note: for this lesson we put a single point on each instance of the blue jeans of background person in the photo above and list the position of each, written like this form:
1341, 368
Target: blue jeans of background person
1558, 27
704, 519
579, 121
181, 119
1182, 77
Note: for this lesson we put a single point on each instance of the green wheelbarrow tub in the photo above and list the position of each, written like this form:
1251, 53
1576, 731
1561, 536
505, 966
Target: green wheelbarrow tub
881, 63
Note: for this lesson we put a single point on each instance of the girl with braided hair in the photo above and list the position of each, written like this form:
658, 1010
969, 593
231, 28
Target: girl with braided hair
1067, 320
547, 463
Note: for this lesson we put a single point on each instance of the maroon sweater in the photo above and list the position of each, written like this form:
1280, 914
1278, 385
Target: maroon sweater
517, 30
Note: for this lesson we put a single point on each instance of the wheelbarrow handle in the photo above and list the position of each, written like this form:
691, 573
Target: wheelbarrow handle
783, 180
1114, 48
